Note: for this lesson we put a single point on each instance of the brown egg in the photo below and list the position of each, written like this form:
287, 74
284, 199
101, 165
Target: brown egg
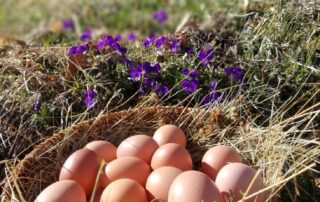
234, 179
170, 134
62, 191
81, 166
217, 157
172, 154
124, 190
104, 150
159, 181
128, 167
194, 186
141, 146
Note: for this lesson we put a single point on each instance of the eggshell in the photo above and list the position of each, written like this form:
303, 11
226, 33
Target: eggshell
217, 157
159, 181
128, 167
103, 149
124, 190
62, 191
170, 134
81, 166
141, 146
234, 179
194, 186
172, 154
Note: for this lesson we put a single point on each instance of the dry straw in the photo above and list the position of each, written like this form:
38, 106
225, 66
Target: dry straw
278, 151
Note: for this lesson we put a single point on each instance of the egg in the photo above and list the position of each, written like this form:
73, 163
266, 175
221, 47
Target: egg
62, 191
103, 149
128, 167
234, 179
81, 166
124, 190
217, 157
193, 186
172, 154
141, 146
159, 181
170, 134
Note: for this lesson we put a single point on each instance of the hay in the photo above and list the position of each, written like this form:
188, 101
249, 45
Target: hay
278, 151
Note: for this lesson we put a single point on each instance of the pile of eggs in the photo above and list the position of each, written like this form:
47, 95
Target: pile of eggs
157, 168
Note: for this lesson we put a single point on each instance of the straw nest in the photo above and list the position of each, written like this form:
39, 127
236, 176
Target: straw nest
286, 161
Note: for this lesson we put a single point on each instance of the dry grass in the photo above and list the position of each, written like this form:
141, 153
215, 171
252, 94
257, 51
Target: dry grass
286, 159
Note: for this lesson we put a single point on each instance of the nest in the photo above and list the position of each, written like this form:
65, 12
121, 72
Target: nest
272, 151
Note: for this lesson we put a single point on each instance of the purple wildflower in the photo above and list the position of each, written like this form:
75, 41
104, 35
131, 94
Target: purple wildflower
136, 74
206, 57
78, 50
213, 96
118, 38
68, 25
149, 42
113, 43
132, 37
127, 62
89, 98
87, 35
175, 45
37, 105
145, 68
237, 73
161, 17
193, 75
190, 52
189, 86
160, 89
160, 41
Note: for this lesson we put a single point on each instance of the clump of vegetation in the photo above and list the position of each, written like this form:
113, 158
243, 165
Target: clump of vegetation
90, 58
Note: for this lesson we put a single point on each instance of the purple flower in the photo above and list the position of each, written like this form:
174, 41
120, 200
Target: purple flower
68, 25
136, 74
237, 73
175, 45
132, 37
87, 35
78, 50
127, 62
161, 17
121, 50
206, 57
145, 68
113, 43
118, 38
189, 86
89, 98
160, 41
190, 52
193, 75
37, 105
149, 42
148, 68
213, 95
160, 89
